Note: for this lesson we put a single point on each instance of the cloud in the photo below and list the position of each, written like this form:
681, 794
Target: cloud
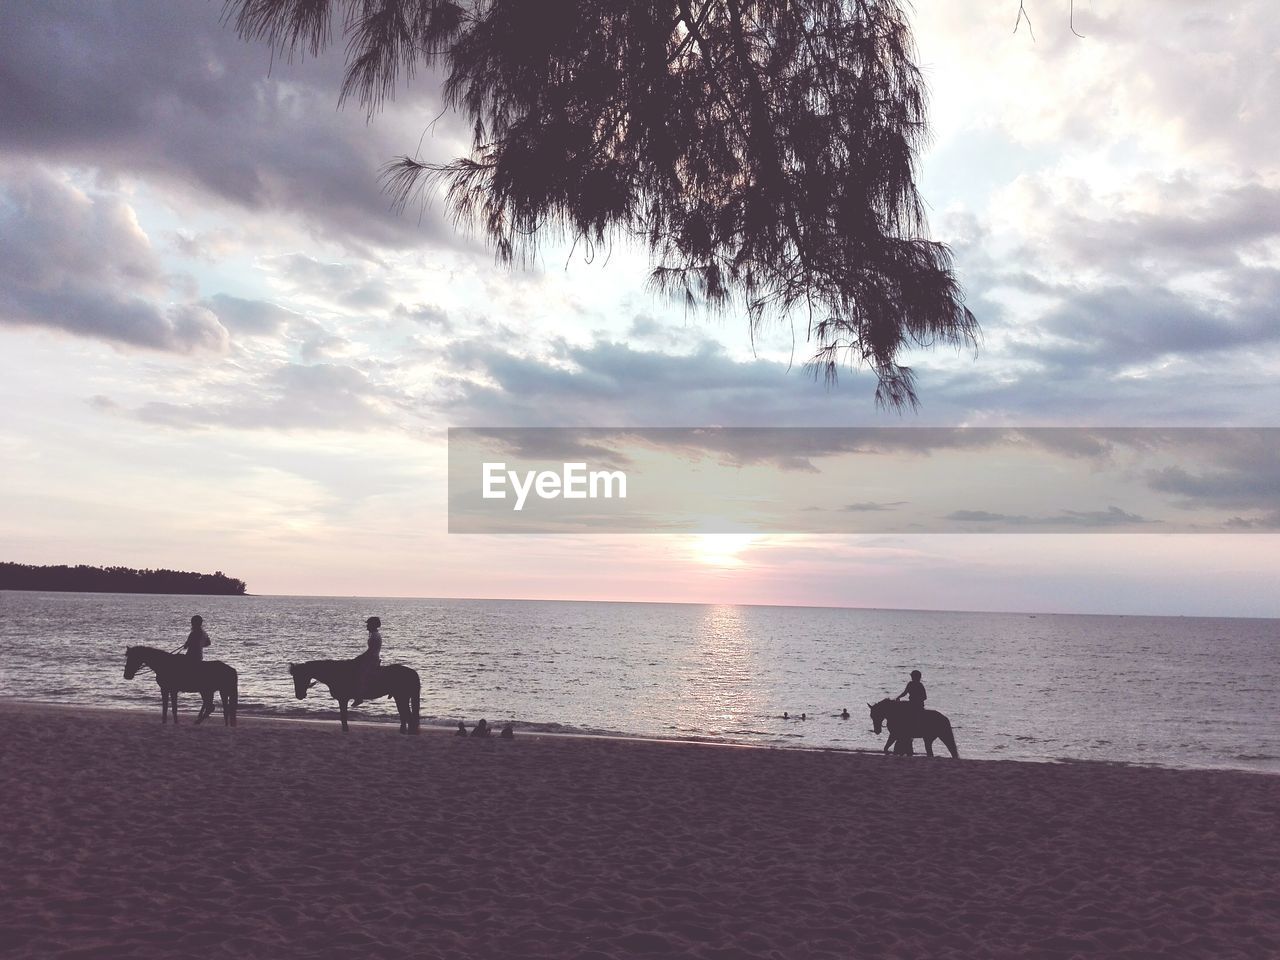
428, 315
1125, 324
356, 286
251, 317
1269, 522
81, 264
290, 397
613, 383
1234, 469
1227, 488
1090, 519
1116, 210
102, 403
210, 246
1182, 223
163, 90
1198, 77
1208, 75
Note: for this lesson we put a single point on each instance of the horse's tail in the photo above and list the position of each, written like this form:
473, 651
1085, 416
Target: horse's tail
949, 740
414, 701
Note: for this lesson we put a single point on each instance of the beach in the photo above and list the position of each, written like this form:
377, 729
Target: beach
126, 838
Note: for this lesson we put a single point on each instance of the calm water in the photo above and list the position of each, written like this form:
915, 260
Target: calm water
1175, 691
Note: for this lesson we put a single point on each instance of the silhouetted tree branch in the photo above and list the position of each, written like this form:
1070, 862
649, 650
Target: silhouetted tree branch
763, 149
1023, 15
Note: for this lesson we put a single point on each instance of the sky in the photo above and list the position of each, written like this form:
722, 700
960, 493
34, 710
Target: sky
222, 349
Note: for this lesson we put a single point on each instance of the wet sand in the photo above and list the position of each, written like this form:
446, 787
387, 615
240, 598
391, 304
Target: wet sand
125, 838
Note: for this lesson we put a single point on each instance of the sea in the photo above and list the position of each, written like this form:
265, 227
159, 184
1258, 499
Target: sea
1169, 691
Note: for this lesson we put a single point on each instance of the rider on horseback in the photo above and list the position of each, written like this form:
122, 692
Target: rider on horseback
369, 662
914, 692
916, 697
197, 639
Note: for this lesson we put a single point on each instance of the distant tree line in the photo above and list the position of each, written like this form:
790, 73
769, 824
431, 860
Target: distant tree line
23, 576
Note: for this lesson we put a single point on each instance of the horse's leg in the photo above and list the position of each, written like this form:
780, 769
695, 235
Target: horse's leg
402, 708
342, 709
928, 746
226, 718
949, 739
889, 743
164, 705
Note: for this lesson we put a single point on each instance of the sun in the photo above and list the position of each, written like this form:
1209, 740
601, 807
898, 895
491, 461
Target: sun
722, 549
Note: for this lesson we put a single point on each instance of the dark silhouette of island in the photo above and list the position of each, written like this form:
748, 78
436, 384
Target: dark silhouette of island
86, 579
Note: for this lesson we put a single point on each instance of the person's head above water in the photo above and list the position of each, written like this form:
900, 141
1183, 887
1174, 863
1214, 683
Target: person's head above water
915, 674
373, 623
197, 620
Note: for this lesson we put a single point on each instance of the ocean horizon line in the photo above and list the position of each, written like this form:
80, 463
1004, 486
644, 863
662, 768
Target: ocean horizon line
680, 603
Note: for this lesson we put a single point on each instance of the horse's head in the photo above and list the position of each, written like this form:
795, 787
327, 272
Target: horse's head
878, 713
301, 682
132, 661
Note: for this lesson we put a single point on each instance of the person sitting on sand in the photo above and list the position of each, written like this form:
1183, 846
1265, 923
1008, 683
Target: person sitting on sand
369, 663
197, 639
914, 692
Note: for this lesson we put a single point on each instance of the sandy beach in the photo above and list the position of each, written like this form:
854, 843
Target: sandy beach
123, 837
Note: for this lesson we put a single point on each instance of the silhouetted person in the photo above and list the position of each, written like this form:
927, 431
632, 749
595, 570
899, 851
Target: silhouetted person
844, 714
914, 692
916, 697
482, 729
462, 729
508, 732
368, 663
785, 716
197, 639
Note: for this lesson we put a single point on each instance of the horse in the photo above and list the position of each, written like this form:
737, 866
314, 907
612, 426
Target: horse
176, 672
342, 677
907, 722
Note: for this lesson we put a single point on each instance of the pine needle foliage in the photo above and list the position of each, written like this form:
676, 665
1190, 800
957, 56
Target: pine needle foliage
764, 150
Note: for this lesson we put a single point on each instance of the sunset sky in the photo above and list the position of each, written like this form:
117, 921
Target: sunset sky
220, 349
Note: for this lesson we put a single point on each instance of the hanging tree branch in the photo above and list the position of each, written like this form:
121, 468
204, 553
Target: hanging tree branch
1023, 15
764, 150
